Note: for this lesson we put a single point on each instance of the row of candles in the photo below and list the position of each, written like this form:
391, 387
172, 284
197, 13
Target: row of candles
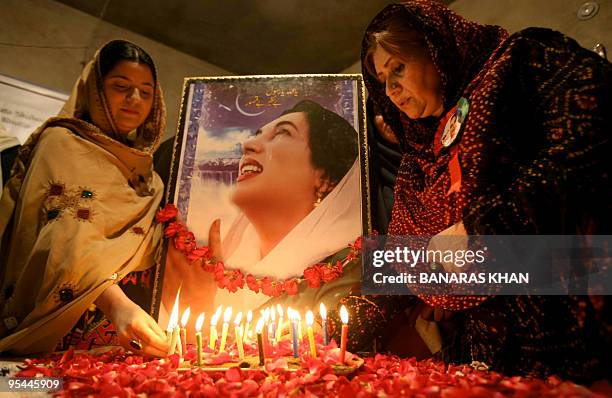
267, 329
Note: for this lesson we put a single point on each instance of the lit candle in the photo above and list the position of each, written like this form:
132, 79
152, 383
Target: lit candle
249, 318
279, 328
344, 316
227, 316
299, 322
179, 347
323, 312
238, 334
173, 325
213, 329
293, 318
260, 345
272, 325
199, 323
266, 343
311, 341
184, 320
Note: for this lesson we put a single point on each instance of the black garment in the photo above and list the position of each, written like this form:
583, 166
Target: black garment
162, 159
7, 158
385, 158
162, 163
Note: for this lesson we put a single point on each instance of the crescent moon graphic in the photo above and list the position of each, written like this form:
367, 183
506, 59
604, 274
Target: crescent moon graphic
243, 112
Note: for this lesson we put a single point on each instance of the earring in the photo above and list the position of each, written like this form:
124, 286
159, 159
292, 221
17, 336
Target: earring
319, 195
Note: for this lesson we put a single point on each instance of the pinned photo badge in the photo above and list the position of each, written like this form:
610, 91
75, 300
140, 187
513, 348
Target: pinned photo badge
453, 126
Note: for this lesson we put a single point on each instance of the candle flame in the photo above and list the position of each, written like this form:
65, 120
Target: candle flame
200, 322
344, 314
185, 317
273, 314
249, 316
214, 319
227, 315
323, 311
238, 318
280, 310
260, 325
218, 311
309, 318
175, 312
266, 315
290, 313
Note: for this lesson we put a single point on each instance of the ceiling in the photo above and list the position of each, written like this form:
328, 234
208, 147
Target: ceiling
249, 36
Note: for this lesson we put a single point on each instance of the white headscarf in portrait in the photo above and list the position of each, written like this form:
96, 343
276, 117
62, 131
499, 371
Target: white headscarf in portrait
327, 229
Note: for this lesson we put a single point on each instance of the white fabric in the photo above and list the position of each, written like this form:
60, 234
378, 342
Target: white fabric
329, 228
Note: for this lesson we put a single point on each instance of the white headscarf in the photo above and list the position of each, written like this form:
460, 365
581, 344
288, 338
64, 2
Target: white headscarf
327, 229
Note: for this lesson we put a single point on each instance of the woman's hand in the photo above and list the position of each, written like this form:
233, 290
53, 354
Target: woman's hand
434, 314
132, 323
453, 238
198, 287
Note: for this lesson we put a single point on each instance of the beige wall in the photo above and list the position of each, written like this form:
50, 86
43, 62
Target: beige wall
560, 15
52, 24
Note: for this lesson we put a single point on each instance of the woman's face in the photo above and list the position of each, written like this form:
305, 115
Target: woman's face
413, 86
276, 169
129, 89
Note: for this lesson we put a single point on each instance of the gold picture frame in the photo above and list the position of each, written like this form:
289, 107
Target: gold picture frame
217, 115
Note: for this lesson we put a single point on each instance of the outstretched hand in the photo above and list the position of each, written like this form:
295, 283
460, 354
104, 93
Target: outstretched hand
198, 287
132, 323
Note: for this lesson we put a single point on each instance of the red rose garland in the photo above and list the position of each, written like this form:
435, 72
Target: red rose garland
233, 279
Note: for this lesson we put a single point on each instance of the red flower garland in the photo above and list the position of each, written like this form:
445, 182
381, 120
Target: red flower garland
233, 279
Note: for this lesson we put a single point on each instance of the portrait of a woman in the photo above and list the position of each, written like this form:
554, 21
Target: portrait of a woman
298, 198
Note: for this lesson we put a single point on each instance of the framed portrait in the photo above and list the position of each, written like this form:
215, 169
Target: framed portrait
273, 169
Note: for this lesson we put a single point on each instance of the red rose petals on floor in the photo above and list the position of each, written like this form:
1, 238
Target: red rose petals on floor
121, 374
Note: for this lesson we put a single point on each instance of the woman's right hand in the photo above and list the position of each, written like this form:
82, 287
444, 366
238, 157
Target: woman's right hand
132, 323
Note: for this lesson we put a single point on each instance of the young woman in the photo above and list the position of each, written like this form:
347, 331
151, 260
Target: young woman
77, 214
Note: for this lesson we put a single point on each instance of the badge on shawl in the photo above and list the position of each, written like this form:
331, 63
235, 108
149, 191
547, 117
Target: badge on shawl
453, 126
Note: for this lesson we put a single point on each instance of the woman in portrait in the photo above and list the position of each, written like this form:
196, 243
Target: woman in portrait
298, 192
530, 158
77, 214
298, 182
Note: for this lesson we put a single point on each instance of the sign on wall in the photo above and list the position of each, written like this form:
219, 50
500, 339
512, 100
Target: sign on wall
25, 106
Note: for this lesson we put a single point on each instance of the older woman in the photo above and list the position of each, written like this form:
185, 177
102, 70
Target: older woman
77, 214
501, 135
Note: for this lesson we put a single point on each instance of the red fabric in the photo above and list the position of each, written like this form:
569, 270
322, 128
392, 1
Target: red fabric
534, 159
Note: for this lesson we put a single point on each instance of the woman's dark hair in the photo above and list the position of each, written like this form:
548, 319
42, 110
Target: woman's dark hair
397, 38
120, 50
333, 141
